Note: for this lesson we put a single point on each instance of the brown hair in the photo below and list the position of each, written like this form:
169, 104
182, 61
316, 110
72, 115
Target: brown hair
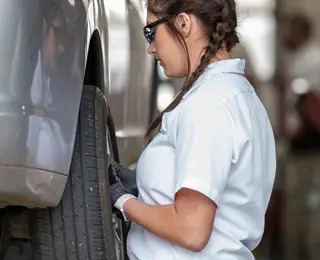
219, 20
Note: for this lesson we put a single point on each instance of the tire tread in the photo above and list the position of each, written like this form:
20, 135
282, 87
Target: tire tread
80, 227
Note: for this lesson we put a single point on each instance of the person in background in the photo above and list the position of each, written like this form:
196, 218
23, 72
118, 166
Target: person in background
302, 205
205, 179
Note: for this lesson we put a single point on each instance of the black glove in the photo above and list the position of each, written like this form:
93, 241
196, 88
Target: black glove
116, 188
122, 187
125, 175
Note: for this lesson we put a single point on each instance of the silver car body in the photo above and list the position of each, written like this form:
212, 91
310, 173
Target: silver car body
45, 48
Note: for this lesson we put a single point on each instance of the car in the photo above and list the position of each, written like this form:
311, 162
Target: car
77, 91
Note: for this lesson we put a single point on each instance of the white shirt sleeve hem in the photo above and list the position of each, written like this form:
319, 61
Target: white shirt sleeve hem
206, 189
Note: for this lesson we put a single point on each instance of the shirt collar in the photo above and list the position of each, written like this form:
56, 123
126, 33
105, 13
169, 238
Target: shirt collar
234, 66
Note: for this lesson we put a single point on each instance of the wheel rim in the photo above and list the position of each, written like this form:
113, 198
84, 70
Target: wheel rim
117, 228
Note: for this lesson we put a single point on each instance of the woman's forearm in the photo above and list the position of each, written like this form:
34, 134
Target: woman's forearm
166, 222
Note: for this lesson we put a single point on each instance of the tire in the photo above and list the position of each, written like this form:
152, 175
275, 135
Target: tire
81, 226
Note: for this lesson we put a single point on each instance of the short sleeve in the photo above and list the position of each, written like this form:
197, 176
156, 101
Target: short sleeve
204, 149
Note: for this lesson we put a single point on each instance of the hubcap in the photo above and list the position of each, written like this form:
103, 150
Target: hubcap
117, 228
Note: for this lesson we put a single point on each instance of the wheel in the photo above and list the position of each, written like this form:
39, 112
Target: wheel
82, 226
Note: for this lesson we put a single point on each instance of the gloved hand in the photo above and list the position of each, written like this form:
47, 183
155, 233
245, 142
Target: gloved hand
116, 188
127, 177
121, 188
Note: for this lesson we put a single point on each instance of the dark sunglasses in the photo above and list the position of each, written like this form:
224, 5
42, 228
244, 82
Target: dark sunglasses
149, 30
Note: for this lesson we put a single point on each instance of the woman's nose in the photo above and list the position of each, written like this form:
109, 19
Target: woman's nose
151, 49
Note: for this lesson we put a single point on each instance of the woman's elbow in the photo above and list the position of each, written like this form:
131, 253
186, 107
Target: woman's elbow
196, 240
195, 225
196, 245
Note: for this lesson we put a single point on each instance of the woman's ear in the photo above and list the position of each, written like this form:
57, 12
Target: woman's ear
183, 24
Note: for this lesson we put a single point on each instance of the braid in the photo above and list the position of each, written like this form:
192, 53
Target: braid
228, 25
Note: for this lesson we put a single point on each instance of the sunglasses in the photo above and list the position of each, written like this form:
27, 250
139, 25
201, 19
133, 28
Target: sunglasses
149, 30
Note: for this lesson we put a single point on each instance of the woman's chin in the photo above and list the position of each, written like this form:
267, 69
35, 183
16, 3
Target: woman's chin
172, 74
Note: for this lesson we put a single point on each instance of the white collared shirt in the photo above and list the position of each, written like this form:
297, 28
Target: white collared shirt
217, 141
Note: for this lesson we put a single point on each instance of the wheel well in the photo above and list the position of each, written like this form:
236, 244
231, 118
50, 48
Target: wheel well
94, 76
94, 68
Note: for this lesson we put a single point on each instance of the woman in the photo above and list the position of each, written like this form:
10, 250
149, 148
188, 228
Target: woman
206, 177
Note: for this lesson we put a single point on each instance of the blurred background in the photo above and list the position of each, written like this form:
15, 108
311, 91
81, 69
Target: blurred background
280, 40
